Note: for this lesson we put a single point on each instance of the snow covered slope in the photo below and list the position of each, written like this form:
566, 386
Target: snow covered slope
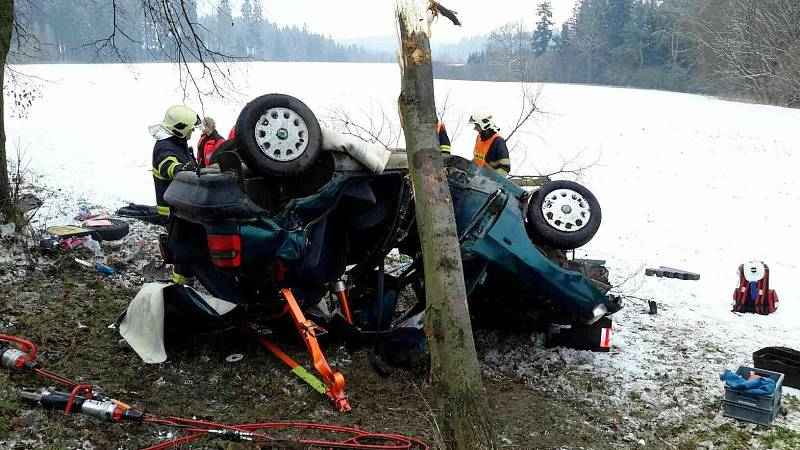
684, 181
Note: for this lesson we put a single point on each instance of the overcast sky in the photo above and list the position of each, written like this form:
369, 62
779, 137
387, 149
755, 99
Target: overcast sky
344, 19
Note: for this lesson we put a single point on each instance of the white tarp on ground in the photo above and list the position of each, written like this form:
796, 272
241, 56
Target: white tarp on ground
142, 325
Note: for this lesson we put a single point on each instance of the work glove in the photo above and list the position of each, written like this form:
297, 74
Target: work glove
189, 166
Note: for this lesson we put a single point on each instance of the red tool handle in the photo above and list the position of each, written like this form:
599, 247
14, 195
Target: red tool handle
79, 388
25, 346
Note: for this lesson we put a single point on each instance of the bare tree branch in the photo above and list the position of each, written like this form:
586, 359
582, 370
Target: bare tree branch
571, 166
754, 48
436, 8
529, 106
448, 116
373, 125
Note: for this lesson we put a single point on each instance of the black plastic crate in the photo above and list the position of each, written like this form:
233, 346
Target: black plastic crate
780, 359
759, 409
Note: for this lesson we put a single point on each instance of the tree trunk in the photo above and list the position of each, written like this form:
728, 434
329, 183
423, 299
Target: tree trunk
456, 374
589, 66
6, 25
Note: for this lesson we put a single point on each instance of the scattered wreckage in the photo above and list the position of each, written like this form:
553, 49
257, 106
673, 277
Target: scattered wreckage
278, 223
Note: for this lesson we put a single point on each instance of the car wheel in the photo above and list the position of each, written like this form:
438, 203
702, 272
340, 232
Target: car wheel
564, 215
278, 134
117, 230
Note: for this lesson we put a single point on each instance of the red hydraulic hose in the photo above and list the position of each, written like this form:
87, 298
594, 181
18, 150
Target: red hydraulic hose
55, 377
174, 442
391, 441
198, 428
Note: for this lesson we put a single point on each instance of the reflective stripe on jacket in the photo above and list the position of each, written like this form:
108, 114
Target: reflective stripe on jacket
444, 139
169, 155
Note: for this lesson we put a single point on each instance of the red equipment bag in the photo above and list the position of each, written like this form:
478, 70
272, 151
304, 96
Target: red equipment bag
753, 294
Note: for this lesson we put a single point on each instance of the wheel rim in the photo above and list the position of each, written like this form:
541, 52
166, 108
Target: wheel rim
566, 210
281, 134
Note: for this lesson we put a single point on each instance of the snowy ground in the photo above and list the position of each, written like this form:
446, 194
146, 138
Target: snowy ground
684, 181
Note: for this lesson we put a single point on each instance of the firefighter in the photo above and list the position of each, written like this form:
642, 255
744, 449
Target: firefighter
490, 147
444, 139
172, 154
209, 141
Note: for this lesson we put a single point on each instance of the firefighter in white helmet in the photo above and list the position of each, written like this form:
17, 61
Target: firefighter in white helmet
490, 148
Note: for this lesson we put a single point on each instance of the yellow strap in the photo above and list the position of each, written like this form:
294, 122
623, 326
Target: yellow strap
163, 210
181, 279
502, 172
500, 162
444, 148
309, 378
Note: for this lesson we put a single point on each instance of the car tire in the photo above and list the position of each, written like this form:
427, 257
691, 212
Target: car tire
278, 135
114, 232
564, 215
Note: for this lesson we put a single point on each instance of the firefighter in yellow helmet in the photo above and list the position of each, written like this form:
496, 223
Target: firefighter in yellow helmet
490, 148
172, 154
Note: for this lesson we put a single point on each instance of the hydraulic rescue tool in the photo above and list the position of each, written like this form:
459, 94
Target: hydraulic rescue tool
105, 409
84, 399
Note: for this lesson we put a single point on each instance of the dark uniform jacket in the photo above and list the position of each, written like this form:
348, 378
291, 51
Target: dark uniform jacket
169, 156
444, 139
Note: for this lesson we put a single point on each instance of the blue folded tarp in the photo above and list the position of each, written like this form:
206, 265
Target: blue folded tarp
755, 386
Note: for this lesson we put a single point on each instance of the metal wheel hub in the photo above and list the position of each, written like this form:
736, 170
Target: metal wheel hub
281, 134
566, 210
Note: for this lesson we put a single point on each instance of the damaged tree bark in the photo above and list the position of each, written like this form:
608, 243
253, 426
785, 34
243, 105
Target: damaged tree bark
456, 374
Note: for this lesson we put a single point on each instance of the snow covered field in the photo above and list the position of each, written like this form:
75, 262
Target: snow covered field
684, 181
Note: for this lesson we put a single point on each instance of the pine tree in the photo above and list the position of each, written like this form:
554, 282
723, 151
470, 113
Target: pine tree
618, 14
587, 38
256, 28
224, 26
247, 11
638, 36
544, 29
243, 39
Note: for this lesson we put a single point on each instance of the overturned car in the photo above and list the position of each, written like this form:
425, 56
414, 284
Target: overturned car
281, 222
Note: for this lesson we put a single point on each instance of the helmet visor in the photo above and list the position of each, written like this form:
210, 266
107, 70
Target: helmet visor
482, 121
182, 125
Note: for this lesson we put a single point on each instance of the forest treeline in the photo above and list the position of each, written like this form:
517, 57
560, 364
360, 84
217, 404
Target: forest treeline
747, 49
96, 31
741, 48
